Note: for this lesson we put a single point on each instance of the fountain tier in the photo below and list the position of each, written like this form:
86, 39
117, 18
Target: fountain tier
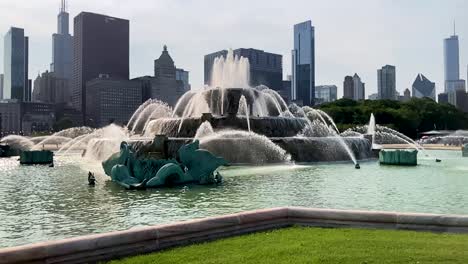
244, 150
269, 127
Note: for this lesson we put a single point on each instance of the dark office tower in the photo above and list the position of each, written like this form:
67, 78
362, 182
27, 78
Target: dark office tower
348, 87
62, 52
15, 83
303, 63
100, 46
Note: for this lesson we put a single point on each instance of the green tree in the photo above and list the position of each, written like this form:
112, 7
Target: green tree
411, 117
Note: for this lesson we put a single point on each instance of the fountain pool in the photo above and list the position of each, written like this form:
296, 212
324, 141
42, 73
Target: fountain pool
244, 125
41, 203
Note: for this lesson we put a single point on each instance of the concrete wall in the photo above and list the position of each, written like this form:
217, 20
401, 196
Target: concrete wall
93, 248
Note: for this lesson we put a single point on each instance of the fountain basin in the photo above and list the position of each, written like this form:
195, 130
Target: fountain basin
401, 157
324, 149
298, 149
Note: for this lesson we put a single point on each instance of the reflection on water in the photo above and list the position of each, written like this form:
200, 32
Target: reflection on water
42, 203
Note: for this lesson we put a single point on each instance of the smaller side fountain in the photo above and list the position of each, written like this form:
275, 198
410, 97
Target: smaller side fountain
193, 165
37, 157
371, 130
401, 157
7, 151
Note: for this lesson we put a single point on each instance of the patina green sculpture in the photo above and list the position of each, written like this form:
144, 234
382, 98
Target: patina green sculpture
195, 166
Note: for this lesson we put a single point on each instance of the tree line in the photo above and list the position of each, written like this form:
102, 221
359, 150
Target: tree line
411, 117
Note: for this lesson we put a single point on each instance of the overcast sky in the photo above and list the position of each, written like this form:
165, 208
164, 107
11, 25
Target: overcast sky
351, 36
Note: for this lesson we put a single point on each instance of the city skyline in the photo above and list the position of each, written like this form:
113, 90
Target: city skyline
371, 38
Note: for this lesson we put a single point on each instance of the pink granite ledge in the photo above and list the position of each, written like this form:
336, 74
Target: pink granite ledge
153, 237
378, 217
99, 247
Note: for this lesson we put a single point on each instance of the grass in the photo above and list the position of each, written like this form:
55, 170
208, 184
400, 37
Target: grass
319, 245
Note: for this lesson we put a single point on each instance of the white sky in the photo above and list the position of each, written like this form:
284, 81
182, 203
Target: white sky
351, 36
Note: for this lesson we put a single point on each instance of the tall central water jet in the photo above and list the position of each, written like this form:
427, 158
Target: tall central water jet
230, 71
244, 110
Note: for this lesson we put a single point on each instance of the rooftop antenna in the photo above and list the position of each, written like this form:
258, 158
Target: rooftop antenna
454, 28
63, 6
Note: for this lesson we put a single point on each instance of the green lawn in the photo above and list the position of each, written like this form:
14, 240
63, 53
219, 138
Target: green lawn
319, 245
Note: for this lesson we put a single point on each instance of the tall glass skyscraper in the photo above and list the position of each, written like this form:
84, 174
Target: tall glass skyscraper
62, 52
359, 92
1, 86
386, 82
452, 65
451, 60
15, 65
303, 63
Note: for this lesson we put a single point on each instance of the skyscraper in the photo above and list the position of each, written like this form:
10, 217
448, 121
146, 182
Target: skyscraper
15, 65
50, 89
359, 88
166, 85
100, 46
354, 88
1, 86
62, 52
451, 62
303, 63
348, 87
422, 87
386, 82
183, 76
459, 99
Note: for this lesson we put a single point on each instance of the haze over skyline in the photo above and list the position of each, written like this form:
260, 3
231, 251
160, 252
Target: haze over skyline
359, 36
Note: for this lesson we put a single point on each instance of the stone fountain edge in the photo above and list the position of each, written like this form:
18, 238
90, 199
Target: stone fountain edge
107, 246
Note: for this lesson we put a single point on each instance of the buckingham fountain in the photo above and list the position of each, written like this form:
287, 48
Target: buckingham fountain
247, 125
231, 119
228, 123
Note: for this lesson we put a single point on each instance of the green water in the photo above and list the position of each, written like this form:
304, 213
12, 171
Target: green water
41, 203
